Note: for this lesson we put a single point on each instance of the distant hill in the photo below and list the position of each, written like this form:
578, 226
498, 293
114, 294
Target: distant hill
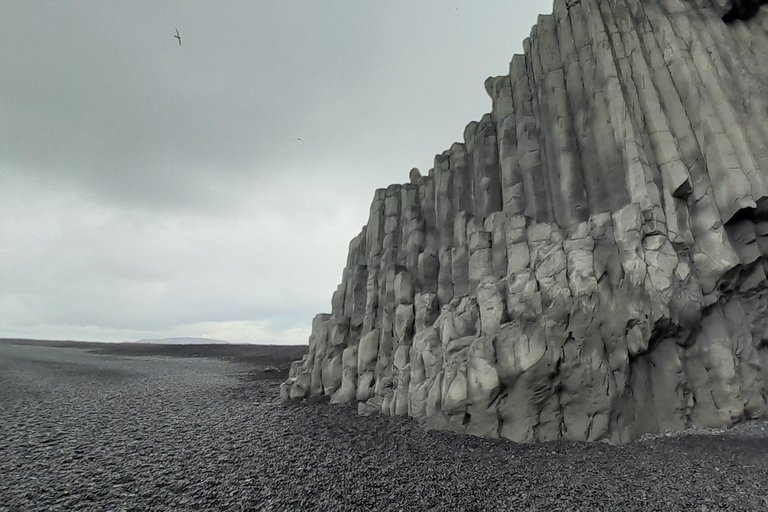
181, 341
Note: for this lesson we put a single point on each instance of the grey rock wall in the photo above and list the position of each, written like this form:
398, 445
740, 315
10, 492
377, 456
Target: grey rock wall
590, 262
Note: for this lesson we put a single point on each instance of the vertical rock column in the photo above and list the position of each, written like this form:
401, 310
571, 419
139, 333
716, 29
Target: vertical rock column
590, 261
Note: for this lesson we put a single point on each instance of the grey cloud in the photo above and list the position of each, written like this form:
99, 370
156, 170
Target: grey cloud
147, 185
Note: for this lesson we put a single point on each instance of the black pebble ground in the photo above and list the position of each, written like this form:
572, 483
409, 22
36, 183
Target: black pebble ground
141, 428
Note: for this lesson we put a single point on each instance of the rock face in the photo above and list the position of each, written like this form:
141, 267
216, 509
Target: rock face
590, 263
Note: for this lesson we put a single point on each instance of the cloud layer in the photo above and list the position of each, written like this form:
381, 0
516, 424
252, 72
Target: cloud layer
151, 190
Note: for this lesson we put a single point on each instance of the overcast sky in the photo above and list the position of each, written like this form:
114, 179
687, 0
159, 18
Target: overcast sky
149, 189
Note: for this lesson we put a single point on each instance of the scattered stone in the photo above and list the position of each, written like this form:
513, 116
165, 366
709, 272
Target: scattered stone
173, 433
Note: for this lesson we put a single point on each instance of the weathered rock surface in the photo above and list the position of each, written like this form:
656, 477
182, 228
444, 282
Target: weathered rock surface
590, 263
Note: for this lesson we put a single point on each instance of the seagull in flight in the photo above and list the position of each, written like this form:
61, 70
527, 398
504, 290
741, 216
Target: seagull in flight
177, 36
299, 139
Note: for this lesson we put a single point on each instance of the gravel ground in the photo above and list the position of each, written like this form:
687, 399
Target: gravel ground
123, 430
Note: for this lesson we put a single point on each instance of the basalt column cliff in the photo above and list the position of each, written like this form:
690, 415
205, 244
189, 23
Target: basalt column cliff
590, 263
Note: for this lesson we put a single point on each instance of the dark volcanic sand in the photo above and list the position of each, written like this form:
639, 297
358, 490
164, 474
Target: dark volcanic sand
125, 427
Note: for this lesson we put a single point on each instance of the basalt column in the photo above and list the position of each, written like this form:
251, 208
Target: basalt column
590, 262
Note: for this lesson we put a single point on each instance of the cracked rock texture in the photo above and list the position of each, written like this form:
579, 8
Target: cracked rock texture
590, 263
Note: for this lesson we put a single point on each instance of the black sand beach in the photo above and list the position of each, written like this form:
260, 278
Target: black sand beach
146, 427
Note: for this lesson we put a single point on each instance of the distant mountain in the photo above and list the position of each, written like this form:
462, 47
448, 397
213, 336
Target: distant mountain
182, 341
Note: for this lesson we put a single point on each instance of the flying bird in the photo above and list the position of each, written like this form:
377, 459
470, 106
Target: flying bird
177, 36
299, 139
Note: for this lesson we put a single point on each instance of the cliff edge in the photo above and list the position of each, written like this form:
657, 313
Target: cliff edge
590, 263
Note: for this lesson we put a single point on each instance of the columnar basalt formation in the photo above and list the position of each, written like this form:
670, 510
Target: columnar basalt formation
590, 263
